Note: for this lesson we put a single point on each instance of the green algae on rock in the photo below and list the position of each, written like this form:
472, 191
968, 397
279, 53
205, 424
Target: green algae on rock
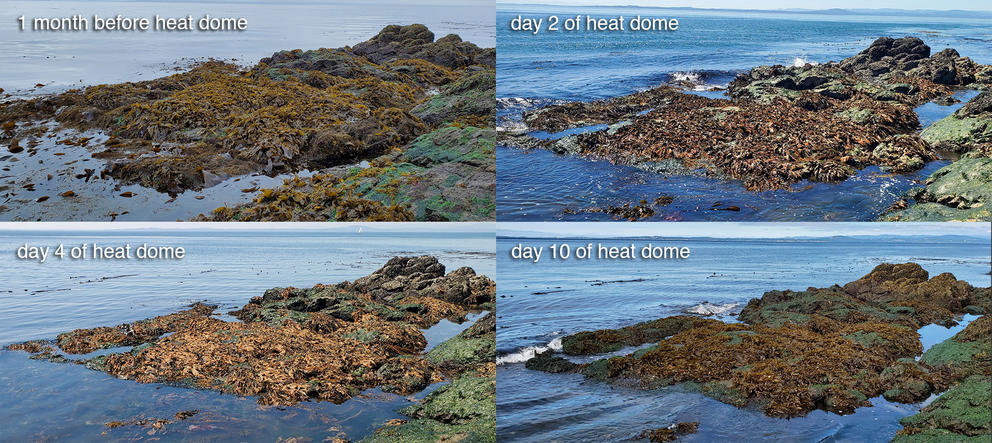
329, 342
448, 174
824, 348
961, 191
964, 412
465, 409
961, 414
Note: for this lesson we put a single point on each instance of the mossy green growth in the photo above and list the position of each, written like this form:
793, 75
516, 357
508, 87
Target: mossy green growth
473, 346
961, 191
961, 414
967, 349
471, 95
952, 352
777, 308
463, 410
957, 131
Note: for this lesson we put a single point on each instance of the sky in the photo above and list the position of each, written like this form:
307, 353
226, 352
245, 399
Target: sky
972, 5
744, 229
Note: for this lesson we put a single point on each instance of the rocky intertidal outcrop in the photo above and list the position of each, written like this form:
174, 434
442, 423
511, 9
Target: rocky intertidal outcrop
294, 111
960, 191
781, 126
910, 57
963, 413
328, 342
446, 175
796, 351
465, 409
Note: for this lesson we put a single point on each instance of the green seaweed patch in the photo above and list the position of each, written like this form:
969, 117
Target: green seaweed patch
960, 414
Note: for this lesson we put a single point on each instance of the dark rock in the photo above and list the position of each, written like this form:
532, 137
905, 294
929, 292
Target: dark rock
548, 361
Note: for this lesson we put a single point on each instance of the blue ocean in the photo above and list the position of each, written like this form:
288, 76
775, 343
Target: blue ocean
710, 47
541, 302
66, 402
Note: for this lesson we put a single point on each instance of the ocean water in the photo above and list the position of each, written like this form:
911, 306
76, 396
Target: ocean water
539, 303
711, 47
60, 60
66, 402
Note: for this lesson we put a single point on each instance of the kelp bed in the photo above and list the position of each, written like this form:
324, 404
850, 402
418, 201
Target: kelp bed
295, 111
325, 343
784, 125
824, 348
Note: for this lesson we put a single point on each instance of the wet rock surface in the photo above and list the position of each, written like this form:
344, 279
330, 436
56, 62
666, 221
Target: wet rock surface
781, 125
671, 433
961, 191
292, 112
465, 409
797, 351
328, 342
446, 175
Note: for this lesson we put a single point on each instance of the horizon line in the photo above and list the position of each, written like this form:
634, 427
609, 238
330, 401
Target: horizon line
785, 10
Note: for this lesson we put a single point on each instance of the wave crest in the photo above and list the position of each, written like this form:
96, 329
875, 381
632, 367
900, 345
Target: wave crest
524, 354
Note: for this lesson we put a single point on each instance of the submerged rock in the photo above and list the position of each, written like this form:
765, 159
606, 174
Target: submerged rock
329, 342
823, 348
671, 433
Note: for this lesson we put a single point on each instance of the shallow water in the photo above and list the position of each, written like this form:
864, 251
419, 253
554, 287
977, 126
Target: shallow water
73, 168
535, 406
710, 48
69, 402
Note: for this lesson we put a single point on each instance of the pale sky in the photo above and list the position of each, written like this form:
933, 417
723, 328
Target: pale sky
971, 5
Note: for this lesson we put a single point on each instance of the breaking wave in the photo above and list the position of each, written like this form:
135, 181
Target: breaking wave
528, 353
707, 308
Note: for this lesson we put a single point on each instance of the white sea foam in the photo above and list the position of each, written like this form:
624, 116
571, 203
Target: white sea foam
528, 353
688, 77
803, 61
511, 126
707, 308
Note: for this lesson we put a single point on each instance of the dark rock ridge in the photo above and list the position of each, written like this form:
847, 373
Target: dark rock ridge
910, 57
328, 342
417, 42
824, 348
